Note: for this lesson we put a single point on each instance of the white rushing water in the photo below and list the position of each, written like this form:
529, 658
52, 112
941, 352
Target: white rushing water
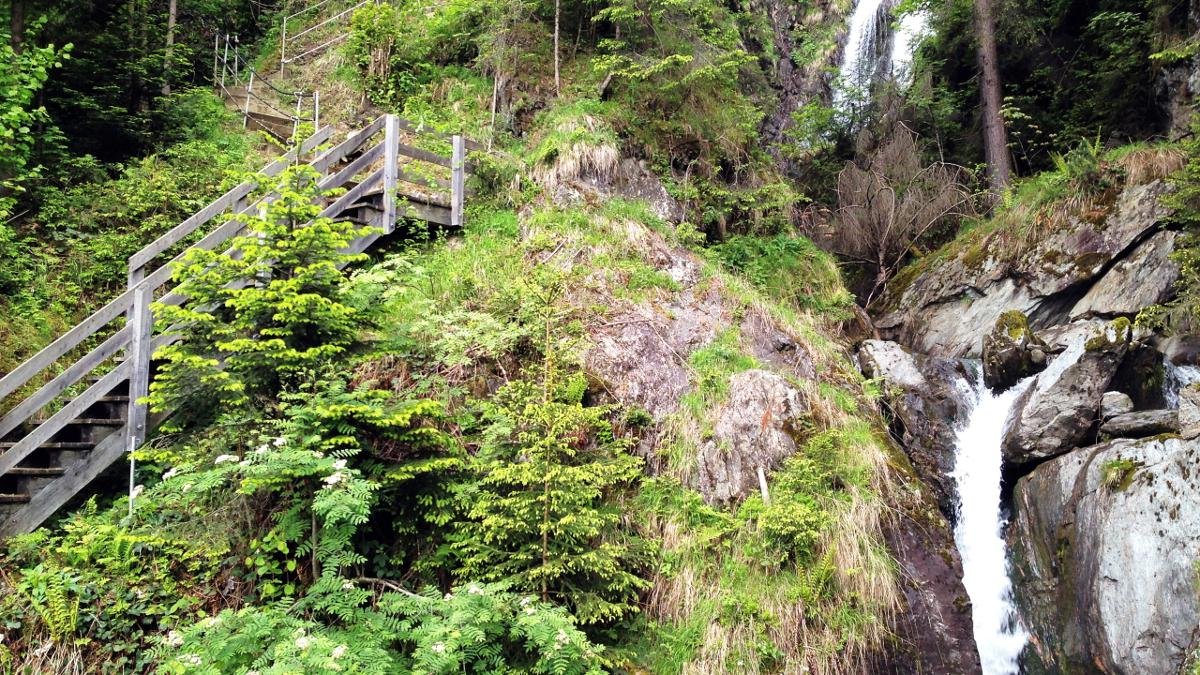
980, 529
874, 50
1176, 378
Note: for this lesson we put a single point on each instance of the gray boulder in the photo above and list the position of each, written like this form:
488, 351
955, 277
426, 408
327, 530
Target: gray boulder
1104, 542
1141, 424
1011, 351
1056, 412
754, 429
1114, 403
925, 399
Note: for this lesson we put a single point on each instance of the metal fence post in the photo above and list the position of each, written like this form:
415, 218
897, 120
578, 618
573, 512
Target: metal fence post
458, 182
246, 108
391, 156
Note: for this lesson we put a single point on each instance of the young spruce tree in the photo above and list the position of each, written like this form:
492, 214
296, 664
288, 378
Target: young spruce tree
542, 515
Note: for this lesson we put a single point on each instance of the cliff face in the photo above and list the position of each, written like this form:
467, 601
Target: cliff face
1104, 507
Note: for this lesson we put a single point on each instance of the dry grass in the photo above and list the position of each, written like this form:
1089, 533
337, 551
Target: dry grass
580, 149
1143, 165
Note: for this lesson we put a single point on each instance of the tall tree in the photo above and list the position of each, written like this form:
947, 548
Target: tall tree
995, 139
17, 25
171, 15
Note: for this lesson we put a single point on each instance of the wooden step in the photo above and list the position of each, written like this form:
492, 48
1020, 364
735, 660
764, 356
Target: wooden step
36, 471
97, 422
113, 399
55, 445
20, 498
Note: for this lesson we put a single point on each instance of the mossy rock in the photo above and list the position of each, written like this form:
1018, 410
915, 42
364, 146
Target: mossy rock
1118, 331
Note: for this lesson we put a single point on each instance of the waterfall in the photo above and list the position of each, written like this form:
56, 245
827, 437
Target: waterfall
875, 52
979, 533
1175, 378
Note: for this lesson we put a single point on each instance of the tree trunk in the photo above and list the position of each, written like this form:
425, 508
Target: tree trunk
557, 19
171, 15
995, 140
17, 25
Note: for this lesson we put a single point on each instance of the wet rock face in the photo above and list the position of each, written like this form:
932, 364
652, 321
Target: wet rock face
948, 309
1104, 542
927, 399
754, 429
1011, 351
1058, 411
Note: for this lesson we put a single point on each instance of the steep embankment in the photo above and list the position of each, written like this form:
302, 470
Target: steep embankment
1099, 443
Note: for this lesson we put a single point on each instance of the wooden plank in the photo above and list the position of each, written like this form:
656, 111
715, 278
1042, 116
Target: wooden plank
352, 195
429, 212
458, 185
141, 327
68, 341
431, 182
352, 169
354, 142
74, 373
221, 204
46, 430
423, 155
391, 144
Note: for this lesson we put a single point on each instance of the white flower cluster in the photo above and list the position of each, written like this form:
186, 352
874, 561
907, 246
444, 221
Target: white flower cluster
174, 639
339, 651
190, 660
225, 458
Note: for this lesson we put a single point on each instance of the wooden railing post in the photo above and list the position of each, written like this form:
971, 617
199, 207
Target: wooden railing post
391, 168
141, 326
458, 180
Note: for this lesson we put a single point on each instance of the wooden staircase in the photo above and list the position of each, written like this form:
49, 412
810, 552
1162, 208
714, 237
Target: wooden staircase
73, 408
264, 104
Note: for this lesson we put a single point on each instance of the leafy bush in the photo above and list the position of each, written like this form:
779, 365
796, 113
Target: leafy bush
789, 269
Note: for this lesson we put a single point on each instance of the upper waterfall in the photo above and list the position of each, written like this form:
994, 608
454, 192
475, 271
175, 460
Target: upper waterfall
876, 50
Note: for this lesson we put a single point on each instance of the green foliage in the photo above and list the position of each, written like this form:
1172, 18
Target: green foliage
790, 270
1069, 71
262, 314
542, 515
105, 588
22, 76
1116, 474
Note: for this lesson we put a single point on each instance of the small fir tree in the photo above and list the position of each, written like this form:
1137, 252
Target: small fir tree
264, 312
542, 515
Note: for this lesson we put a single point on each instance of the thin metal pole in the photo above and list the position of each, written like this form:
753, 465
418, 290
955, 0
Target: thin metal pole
216, 56
316, 110
246, 109
225, 61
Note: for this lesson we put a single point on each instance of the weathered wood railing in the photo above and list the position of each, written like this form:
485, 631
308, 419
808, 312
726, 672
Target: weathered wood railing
381, 196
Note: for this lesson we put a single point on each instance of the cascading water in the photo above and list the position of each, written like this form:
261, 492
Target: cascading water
980, 529
874, 51
1175, 378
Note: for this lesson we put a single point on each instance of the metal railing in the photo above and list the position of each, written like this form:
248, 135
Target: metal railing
388, 202
285, 38
232, 69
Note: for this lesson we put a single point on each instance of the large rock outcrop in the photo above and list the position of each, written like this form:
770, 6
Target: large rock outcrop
949, 308
755, 430
1060, 408
927, 399
1105, 542
1011, 351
